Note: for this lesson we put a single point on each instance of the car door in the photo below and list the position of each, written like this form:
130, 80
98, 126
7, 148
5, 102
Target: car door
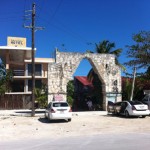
123, 107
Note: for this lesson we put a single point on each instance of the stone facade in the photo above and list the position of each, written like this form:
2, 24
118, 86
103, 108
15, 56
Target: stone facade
66, 64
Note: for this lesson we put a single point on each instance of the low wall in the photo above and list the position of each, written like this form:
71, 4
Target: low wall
17, 101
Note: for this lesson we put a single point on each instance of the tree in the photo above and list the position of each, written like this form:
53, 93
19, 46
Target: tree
139, 53
2, 70
106, 47
41, 96
70, 92
142, 83
5, 79
126, 88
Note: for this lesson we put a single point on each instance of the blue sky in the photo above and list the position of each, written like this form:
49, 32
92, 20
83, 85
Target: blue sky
75, 25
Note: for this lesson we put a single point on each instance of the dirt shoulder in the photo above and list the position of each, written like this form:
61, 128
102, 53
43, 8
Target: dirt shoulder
16, 127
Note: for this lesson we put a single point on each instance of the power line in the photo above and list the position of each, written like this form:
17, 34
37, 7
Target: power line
65, 30
59, 4
63, 27
10, 13
40, 9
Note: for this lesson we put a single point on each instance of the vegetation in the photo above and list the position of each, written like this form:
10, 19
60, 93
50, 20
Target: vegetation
70, 92
2, 70
41, 96
142, 83
106, 47
139, 53
5, 79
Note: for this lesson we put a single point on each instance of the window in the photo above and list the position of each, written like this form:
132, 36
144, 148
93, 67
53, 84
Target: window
38, 84
38, 69
135, 102
60, 105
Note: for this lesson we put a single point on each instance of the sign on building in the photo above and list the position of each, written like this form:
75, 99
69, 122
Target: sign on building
16, 42
58, 97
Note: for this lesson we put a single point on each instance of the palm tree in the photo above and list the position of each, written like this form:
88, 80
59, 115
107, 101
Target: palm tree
106, 47
41, 96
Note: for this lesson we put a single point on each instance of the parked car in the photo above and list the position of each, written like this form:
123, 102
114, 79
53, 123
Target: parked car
117, 108
129, 108
132, 108
146, 100
58, 110
114, 107
110, 107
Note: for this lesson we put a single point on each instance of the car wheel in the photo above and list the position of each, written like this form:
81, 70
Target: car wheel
127, 114
69, 120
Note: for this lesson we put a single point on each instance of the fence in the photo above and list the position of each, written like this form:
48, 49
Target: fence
17, 101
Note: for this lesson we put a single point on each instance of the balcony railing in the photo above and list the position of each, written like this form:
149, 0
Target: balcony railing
22, 73
18, 72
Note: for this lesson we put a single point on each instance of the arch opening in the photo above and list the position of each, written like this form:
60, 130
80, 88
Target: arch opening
88, 87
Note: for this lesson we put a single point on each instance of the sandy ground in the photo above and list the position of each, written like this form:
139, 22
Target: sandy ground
18, 127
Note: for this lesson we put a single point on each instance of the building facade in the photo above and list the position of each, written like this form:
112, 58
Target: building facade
18, 59
56, 73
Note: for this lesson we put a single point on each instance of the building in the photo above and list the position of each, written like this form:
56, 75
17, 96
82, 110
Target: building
56, 73
83, 89
17, 58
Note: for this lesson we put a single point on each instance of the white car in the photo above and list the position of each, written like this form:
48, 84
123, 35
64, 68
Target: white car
58, 110
133, 108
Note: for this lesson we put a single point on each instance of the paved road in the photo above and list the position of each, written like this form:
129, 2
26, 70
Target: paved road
130, 141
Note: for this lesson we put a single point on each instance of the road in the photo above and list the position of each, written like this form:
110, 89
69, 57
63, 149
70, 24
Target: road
125, 141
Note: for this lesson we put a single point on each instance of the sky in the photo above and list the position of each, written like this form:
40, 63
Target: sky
75, 25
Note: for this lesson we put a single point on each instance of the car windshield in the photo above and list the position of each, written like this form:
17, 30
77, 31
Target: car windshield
135, 103
59, 104
110, 103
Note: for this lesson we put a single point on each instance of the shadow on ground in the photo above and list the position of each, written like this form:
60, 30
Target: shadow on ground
29, 112
45, 120
120, 116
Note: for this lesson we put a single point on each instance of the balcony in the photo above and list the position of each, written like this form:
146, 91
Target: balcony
18, 72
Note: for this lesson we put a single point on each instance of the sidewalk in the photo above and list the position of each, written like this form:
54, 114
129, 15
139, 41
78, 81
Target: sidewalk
40, 113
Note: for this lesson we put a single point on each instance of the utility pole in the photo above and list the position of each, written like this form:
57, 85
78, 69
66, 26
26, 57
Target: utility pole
133, 83
33, 28
33, 60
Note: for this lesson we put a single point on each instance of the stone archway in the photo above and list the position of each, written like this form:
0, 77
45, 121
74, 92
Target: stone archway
66, 64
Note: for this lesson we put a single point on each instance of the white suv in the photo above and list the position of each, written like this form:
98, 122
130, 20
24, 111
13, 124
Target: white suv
58, 110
